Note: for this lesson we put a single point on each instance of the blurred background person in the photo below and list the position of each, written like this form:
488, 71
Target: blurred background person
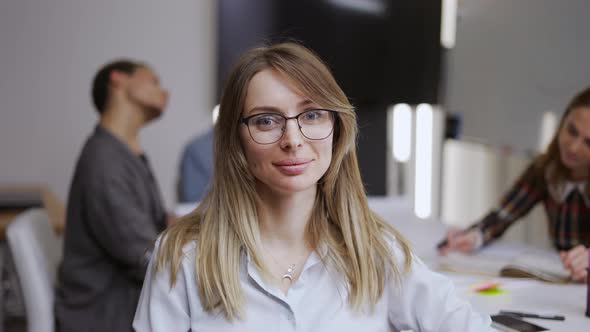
559, 179
196, 168
114, 209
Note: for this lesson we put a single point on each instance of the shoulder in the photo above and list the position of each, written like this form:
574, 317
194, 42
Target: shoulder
535, 176
189, 251
398, 246
193, 147
536, 168
169, 249
168, 294
169, 238
204, 141
101, 156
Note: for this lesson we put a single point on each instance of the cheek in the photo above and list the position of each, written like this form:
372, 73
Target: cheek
326, 153
586, 155
252, 160
146, 93
252, 151
562, 139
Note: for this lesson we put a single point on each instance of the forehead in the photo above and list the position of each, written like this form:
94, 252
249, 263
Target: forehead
269, 88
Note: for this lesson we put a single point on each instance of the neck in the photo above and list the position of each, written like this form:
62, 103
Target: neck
283, 219
125, 124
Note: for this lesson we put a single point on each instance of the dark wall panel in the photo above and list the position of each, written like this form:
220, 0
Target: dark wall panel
380, 56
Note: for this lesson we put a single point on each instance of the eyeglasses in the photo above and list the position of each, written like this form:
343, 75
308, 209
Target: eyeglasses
268, 128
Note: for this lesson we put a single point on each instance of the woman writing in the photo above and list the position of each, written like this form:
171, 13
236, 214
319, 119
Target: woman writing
284, 239
559, 179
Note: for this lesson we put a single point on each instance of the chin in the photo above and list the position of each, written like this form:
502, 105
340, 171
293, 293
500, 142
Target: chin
295, 188
568, 166
566, 163
291, 187
152, 113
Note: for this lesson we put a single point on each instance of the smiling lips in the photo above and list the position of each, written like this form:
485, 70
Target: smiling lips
569, 158
294, 166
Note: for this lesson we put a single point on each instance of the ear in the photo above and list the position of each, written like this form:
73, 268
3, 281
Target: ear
117, 78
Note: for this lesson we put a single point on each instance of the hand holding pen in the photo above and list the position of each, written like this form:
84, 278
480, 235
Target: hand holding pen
459, 240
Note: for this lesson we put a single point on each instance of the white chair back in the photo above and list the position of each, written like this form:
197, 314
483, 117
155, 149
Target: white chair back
37, 252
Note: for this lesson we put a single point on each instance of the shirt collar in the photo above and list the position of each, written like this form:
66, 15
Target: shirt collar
560, 191
317, 256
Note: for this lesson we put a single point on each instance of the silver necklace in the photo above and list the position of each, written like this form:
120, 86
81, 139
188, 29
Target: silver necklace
290, 271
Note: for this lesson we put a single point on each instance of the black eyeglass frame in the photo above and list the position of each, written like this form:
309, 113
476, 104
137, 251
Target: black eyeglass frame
333, 113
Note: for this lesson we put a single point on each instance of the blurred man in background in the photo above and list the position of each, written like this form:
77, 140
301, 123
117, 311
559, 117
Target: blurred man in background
114, 210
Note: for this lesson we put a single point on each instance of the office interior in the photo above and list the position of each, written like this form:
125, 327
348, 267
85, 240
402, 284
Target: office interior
503, 76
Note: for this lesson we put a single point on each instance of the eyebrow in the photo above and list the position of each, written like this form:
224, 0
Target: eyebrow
300, 104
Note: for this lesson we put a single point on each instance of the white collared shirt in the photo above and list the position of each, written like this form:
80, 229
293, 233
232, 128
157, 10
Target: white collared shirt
317, 301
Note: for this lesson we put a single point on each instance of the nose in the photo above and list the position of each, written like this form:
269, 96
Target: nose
292, 137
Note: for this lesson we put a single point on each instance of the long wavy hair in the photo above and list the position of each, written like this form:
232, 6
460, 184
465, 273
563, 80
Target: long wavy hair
551, 159
358, 242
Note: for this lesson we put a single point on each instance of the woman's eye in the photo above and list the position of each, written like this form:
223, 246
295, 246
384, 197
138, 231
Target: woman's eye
312, 115
265, 121
572, 130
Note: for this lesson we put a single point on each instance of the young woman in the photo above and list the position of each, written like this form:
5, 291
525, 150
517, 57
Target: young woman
284, 239
559, 179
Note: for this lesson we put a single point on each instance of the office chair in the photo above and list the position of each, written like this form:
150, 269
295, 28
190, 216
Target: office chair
37, 251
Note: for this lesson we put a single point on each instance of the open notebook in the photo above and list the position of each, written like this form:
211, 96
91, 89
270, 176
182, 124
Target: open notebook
508, 261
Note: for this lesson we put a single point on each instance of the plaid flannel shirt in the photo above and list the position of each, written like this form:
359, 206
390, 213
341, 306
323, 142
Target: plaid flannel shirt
567, 208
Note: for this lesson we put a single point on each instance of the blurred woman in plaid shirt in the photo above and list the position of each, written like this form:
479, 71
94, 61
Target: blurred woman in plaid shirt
559, 179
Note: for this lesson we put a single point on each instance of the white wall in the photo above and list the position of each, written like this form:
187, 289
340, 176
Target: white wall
49, 52
513, 61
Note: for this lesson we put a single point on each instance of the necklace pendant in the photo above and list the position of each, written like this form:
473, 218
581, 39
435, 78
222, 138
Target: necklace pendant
289, 273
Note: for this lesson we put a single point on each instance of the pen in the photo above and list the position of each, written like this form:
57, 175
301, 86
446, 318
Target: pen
529, 315
442, 244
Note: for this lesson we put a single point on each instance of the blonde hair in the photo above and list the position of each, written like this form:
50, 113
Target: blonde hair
358, 242
551, 159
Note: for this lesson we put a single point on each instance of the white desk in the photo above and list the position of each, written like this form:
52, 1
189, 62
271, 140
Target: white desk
519, 294
530, 296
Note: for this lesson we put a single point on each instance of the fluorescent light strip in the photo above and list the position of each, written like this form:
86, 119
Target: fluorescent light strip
402, 132
448, 23
215, 113
375, 7
423, 151
549, 125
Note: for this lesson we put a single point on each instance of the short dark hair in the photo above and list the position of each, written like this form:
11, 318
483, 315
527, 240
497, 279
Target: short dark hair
100, 84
